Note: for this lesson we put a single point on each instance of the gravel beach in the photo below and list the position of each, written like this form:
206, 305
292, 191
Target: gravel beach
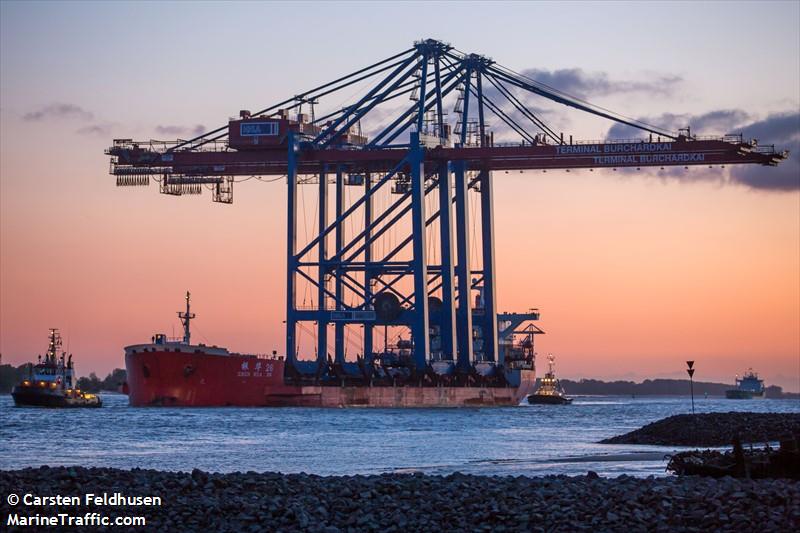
713, 429
200, 501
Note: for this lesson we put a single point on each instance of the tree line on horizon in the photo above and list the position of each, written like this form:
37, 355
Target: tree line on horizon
656, 387
10, 376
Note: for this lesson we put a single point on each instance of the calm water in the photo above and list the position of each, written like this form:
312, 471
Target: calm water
529, 440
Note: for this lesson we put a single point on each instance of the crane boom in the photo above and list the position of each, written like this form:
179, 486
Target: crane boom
256, 144
130, 157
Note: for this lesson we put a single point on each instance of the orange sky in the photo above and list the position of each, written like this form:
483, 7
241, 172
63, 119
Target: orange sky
633, 275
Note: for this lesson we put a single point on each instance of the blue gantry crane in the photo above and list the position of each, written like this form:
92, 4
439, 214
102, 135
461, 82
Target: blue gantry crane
401, 251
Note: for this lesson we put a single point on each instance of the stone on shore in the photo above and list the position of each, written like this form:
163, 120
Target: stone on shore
713, 429
200, 501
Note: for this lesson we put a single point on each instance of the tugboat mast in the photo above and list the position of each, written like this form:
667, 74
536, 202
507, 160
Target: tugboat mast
185, 319
55, 344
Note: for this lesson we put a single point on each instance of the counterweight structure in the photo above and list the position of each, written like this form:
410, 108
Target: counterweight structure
402, 245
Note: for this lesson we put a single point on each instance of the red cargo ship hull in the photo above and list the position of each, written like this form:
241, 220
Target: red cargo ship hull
200, 376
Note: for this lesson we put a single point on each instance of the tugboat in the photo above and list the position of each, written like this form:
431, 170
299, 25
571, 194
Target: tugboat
51, 382
747, 388
550, 391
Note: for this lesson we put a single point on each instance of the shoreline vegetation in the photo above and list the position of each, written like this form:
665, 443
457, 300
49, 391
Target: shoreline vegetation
659, 387
10, 376
200, 501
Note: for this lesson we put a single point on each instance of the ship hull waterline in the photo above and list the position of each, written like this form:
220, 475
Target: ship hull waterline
743, 395
196, 379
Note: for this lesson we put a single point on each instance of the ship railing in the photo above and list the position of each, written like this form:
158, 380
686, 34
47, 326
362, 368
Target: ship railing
732, 138
264, 356
767, 149
159, 146
45, 377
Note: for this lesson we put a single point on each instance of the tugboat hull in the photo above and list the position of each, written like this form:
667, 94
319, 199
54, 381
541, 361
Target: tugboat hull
24, 396
38, 397
548, 399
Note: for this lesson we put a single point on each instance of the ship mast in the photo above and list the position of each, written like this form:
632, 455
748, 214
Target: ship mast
55, 344
185, 319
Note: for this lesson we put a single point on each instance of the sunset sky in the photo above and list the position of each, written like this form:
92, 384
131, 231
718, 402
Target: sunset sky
634, 273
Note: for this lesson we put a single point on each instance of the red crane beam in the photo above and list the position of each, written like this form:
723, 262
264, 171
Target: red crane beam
133, 158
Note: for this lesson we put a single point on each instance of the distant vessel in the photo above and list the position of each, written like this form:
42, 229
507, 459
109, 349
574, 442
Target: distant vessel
175, 372
550, 391
747, 388
51, 382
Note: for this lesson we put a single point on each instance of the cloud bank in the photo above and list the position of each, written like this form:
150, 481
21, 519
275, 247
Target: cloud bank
58, 111
780, 129
193, 131
575, 82
67, 111
96, 130
578, 82
714, 122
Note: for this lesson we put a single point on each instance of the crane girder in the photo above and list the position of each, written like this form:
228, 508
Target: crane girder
682, 152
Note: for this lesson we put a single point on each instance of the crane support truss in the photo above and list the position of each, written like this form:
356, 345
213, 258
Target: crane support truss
355, 268
437, 173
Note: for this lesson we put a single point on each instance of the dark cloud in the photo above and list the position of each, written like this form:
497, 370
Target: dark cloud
722, 121
554, 116
58, 111
572, 81
715, 122
781, 130
578, 82
194, 131
774, 128
100, 130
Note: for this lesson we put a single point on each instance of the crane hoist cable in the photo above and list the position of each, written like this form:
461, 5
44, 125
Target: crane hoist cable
308, 94
536, 87
577, 99
522, 108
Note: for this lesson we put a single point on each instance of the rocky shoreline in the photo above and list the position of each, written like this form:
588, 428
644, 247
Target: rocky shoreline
200, 501
714, 429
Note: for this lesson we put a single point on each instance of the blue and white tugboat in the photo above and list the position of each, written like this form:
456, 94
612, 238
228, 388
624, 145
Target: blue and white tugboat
747, 388
51, 382
550, 391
